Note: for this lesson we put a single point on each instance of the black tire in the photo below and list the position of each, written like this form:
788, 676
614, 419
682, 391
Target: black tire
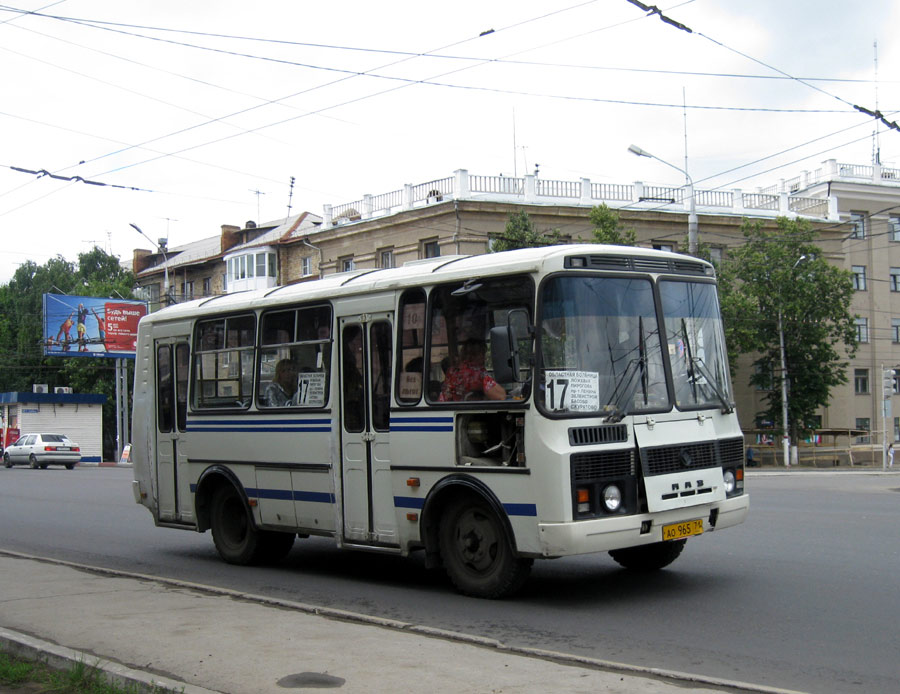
6, 461
70, 466
477, 553
236, 538
649, 557
274, 546
32, 461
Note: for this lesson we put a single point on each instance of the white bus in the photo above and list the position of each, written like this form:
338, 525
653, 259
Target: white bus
487, 409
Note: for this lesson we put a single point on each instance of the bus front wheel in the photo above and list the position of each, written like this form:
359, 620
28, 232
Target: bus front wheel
476, 551
235, 537
649, 557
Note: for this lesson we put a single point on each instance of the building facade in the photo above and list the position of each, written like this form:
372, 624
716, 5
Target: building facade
856, 211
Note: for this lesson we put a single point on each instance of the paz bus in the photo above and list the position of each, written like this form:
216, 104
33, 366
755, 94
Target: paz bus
487, 410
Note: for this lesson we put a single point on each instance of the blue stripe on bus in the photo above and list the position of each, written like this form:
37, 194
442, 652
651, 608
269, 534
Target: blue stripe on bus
421, 423
250, 421
288, 495
284, 494
409, 502
511, 509
268, 429
521, 509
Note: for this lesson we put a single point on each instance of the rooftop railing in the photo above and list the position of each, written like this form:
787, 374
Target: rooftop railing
532, 190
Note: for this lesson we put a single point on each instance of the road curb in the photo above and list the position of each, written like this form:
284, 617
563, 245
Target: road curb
61, 658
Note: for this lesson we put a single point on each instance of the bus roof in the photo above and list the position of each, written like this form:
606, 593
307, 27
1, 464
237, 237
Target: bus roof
420, 272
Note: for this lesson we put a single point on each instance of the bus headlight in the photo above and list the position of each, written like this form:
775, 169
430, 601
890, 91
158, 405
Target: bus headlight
612, 498
729, 481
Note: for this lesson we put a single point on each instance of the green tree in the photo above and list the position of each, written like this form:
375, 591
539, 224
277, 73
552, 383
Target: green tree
22, 362
781, 272
607, 228
520, 233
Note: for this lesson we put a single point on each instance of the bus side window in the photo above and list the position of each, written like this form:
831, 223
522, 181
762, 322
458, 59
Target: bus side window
295, 358
411, 352
223, 362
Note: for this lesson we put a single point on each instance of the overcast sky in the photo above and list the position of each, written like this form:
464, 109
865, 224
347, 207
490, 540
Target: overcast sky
194, 106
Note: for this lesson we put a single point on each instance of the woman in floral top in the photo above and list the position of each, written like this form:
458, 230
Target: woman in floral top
470, 377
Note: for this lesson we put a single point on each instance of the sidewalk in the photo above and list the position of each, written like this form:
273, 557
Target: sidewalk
197, 640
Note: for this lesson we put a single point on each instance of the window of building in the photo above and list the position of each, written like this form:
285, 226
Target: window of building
187, 290
386, 258
896, 428
895, 279
223, 362
895, 329
859, 277
431, 249
295, 358
865, 424
894, 227
249, 265
862, 329
664, 247
861, 381
762, 377
305, 266
715, 254
347, 264
858, 225
207, 286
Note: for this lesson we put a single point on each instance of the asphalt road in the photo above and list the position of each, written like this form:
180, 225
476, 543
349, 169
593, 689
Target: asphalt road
805, 595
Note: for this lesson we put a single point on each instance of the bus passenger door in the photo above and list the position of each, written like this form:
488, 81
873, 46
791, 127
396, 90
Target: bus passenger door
366, 361
172, 483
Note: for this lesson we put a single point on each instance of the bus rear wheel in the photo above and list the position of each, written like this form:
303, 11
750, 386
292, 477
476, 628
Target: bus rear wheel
649, 557
236, 538
477, 553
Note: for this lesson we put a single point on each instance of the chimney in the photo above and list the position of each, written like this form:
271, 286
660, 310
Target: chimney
141, 260
230, 236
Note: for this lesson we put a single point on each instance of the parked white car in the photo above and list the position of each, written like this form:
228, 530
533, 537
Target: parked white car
41, 450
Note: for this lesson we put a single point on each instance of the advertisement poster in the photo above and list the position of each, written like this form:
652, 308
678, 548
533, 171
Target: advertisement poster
85, 326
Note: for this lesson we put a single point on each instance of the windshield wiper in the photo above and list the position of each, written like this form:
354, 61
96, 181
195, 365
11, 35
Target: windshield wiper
696, 364
628, 382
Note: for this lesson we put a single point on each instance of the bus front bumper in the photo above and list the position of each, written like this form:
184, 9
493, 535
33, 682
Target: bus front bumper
618, 532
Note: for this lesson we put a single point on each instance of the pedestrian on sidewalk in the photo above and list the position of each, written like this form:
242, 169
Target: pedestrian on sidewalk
891, 455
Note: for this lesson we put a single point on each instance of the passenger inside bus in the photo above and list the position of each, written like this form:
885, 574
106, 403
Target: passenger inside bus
280, 392
468, 379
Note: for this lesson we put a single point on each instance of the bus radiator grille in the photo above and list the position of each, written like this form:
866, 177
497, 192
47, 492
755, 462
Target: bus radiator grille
694, 456
607, 465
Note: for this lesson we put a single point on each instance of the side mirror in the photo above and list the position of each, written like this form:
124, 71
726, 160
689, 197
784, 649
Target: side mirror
504, 354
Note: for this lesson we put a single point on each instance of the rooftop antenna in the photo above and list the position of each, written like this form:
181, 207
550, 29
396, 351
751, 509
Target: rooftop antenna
684, 110
257, 193
290, 197
876, 142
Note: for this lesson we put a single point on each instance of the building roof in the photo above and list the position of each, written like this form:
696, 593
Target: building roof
292, 228
11, 397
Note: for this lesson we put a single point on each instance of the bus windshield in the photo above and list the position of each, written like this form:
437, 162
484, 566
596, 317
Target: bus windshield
695, 344
600, 346
601, 350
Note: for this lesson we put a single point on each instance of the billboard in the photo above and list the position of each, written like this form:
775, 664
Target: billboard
86, 326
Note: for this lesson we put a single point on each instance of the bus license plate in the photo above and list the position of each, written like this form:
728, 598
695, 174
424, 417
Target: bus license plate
676, 531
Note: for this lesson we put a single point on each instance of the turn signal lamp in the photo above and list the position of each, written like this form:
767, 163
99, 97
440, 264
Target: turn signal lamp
583, 497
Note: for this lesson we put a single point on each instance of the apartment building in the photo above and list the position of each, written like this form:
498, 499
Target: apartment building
856, 210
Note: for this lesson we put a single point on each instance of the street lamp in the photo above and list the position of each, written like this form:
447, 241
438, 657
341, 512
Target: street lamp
786, 437
161, 249
692, 214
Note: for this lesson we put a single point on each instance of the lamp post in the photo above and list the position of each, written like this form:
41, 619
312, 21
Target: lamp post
165, 260
786, 437
692, 213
